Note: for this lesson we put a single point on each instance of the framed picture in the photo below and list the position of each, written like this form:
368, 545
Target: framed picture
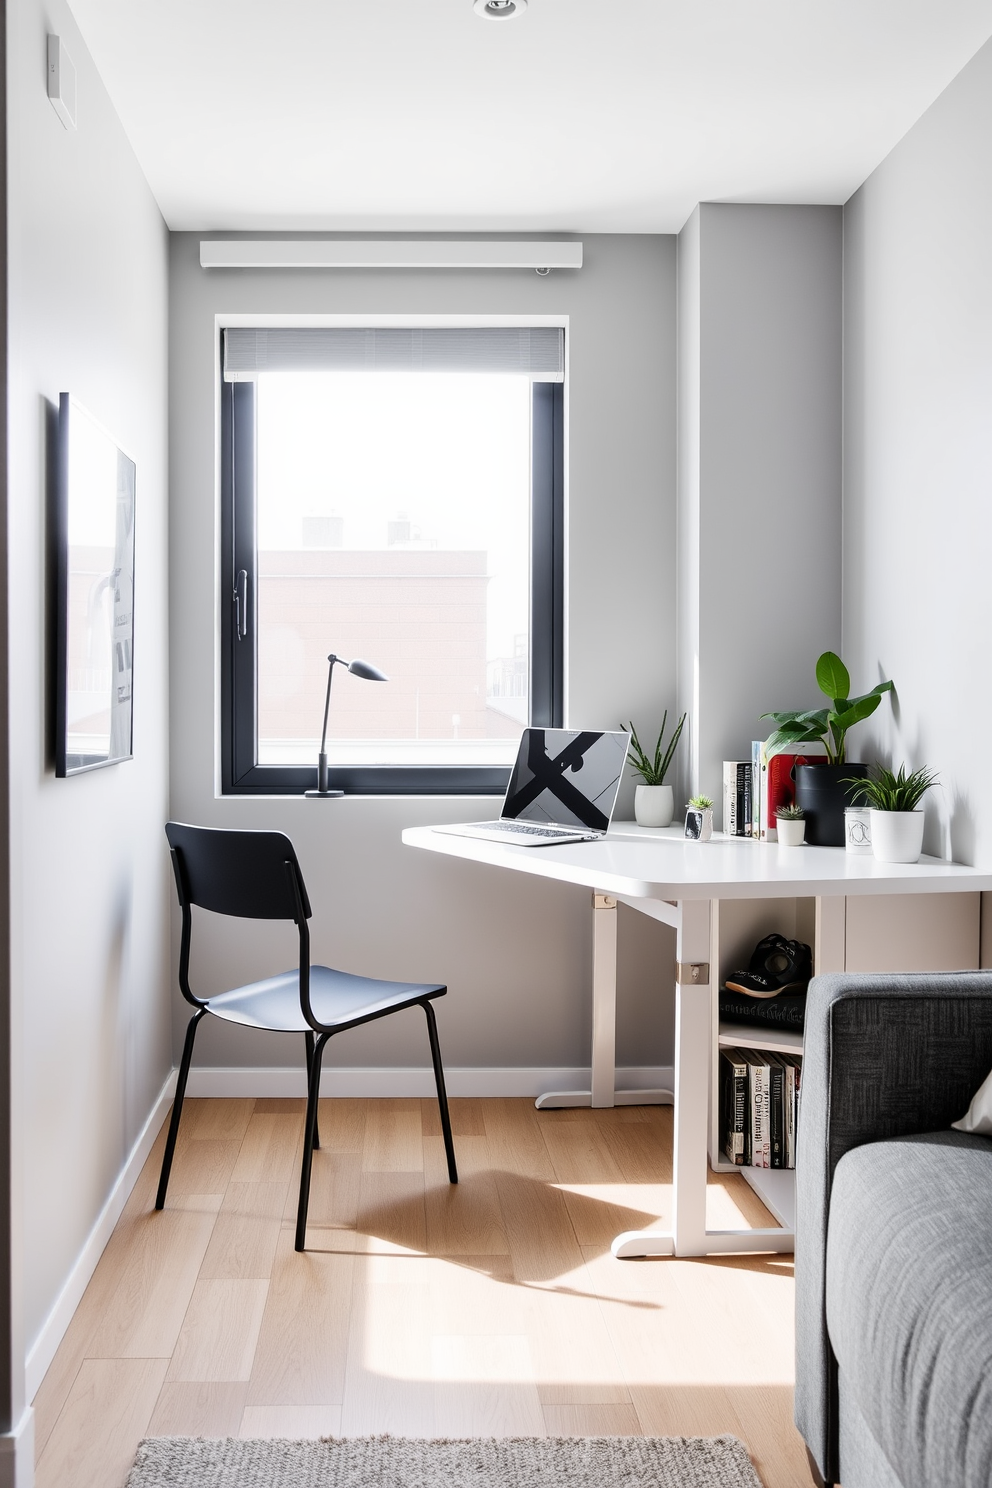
95, 594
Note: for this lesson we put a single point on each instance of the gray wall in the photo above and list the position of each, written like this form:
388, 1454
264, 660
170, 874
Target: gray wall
514, 951
918, 454
760, 318
90, 952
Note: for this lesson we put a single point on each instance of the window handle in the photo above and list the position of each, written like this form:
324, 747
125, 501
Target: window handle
241, 604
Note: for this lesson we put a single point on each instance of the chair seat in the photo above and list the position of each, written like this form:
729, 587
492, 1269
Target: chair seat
337, 999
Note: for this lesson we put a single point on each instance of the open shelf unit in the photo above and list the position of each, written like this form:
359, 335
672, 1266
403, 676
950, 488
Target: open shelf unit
738, 925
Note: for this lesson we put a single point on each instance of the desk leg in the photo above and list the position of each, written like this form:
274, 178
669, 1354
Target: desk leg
692, 1054
604, 1014
692, 1083
604, 999
604, 1025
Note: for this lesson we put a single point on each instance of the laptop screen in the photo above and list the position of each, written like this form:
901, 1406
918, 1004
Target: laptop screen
568, 777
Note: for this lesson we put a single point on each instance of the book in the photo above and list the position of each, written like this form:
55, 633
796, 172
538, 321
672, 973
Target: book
787, 1010
730, 798
737, 798
757, 1069
734, 1106
793, 1074
776, 1111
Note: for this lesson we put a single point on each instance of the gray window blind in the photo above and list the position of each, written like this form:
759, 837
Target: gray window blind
536, 351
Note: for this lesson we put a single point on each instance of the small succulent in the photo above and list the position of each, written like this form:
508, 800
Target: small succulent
700, 803
790, 813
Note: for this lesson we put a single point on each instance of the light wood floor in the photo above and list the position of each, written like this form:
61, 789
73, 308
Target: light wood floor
490, 1309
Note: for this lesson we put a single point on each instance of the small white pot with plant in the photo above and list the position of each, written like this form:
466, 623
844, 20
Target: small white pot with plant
897, 818
699, 819
654, 801
791, 825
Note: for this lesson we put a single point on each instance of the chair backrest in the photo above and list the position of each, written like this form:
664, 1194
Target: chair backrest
237, 873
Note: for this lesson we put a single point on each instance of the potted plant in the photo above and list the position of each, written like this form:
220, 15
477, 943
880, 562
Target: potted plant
654, 801
791, 825
897, 818
699, 819
823, 790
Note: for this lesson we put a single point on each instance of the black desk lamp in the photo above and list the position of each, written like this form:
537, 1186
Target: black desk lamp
358, 669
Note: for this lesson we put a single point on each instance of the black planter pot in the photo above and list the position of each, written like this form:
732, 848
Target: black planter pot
822, 792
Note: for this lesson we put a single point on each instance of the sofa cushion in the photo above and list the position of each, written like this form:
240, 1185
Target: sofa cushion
909, 1301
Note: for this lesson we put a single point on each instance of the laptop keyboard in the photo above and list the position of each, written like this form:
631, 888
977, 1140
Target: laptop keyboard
530, 831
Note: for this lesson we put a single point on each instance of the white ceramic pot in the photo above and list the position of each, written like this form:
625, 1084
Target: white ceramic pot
897, 836
699, 823
654, 805
791, 833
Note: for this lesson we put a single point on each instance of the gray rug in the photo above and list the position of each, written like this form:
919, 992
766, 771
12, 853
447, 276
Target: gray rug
408, 1462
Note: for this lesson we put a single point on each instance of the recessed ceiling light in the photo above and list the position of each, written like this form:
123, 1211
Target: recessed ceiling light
499, 10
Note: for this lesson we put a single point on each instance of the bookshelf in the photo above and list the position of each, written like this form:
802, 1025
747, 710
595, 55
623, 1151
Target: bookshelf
737, 927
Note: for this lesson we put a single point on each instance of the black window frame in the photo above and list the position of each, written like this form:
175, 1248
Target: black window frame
240, 774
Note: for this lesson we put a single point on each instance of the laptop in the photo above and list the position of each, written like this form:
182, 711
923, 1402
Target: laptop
563, 788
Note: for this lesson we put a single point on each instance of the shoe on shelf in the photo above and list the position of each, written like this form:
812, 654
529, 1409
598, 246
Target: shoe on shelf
777, 965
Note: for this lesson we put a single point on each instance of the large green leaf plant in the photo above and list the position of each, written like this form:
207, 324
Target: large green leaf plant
826, 726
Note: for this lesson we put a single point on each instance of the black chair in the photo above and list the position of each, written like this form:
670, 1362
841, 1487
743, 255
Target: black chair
255, 875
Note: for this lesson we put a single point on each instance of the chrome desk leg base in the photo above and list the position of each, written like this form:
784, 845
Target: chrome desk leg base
643, 1243
713, 1242
559, 1100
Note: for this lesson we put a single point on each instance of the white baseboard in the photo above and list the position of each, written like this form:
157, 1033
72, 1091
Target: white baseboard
282, 1082
42, 1351
17, 1453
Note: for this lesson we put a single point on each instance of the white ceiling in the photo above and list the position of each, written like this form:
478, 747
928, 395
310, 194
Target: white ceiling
579, 115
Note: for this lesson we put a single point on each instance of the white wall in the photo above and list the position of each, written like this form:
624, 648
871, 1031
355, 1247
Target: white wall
90, 949
760, 320
918, 454
514, 951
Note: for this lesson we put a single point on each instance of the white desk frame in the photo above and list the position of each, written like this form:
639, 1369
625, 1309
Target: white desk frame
681, 883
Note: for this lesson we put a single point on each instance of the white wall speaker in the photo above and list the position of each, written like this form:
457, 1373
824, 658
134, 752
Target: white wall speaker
62, 82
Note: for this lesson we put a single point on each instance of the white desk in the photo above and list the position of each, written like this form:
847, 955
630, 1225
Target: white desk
682, 884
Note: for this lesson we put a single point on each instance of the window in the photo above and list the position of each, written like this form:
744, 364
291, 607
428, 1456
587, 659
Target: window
393, 494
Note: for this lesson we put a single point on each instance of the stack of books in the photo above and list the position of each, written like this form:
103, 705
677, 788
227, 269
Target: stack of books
759, 1107
754, 789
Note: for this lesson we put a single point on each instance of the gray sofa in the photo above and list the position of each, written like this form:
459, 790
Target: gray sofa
894, 1233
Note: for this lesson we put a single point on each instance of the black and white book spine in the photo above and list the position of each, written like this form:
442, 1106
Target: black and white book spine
756, 752
737, 798
734, 1093
758, 1085
776, 1112
730, 797
742, 823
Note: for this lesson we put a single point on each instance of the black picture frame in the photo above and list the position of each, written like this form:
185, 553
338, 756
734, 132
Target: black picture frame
94, 543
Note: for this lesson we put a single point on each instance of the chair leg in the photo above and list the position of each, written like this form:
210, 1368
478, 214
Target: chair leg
442, 1098
316, 1130
177, 1107
308, 1141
